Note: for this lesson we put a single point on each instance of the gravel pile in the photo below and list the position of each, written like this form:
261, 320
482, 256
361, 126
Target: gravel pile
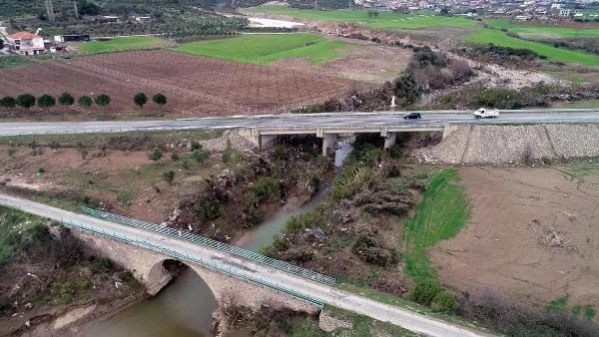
574, 141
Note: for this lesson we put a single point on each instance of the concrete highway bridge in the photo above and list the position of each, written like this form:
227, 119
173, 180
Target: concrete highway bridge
263, 130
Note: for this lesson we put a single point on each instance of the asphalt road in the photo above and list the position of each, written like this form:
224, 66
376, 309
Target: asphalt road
349, 301
301, 121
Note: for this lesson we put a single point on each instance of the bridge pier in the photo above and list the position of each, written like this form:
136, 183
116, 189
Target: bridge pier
390, 138
328, 142
268, 141
261, 142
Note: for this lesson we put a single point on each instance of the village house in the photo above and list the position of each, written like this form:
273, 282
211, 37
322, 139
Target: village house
25, 43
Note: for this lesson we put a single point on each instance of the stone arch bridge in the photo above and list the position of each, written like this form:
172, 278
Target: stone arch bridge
251, 280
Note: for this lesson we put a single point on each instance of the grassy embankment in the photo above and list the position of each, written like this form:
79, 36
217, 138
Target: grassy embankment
440, 215
118, 44
542, 31
263, 49
362, 326
387, 20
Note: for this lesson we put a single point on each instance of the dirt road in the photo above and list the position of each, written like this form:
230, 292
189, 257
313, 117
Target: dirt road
361, 305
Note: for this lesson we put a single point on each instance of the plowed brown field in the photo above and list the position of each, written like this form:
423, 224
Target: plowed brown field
533, 235
195, 86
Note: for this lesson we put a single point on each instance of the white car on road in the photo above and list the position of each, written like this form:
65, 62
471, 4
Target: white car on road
486, 113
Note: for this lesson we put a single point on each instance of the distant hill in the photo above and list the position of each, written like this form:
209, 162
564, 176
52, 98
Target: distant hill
10, 8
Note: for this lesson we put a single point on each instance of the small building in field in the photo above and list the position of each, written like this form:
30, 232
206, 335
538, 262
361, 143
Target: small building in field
73, 38
25, 43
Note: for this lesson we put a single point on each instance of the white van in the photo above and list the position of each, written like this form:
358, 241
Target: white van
486, 113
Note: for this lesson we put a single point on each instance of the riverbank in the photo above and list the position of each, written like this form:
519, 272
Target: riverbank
50, 280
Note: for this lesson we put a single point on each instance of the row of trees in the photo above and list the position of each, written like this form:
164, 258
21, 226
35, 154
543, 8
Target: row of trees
140, 99
28, 101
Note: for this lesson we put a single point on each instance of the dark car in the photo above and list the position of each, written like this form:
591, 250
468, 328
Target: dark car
412, 115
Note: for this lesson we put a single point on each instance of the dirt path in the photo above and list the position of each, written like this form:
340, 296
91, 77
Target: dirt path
330, 295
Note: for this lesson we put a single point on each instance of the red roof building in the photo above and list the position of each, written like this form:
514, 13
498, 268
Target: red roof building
26, 43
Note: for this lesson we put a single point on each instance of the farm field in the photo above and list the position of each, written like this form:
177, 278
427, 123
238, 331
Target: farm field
121, 44
15, 61
422, 22
558, 54
531, 235
542, 31
384, 20
263, 49
196, 86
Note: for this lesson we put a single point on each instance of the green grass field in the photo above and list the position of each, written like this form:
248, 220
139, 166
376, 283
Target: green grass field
385, 20
121, 44
17, 61
262, 49
558, 54
440, 215
547, 32
388, 20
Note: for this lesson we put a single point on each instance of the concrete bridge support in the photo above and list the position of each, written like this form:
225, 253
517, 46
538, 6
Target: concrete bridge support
148, 267
261, 142
390, 138
328, 143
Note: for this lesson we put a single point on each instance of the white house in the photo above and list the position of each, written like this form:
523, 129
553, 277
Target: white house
25, 43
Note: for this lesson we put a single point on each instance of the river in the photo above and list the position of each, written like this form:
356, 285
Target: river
184, 308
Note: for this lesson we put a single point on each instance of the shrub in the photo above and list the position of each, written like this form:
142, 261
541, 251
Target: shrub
169, 177
201, 155
196, 146
159, 99
175, 156
425, 292
443, 301
103, 100
527, 155
155, 154
26, 101
140, 99
207, 209
85, 101
226, 156
395, 151
46, 101
373, 250
351, 181
54, 145
101, 265
281, 153
66, 99
8, 102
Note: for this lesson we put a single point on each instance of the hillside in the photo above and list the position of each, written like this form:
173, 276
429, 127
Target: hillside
10, 8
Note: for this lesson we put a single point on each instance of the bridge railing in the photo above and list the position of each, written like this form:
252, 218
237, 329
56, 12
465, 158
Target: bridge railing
220, 267
281, 265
